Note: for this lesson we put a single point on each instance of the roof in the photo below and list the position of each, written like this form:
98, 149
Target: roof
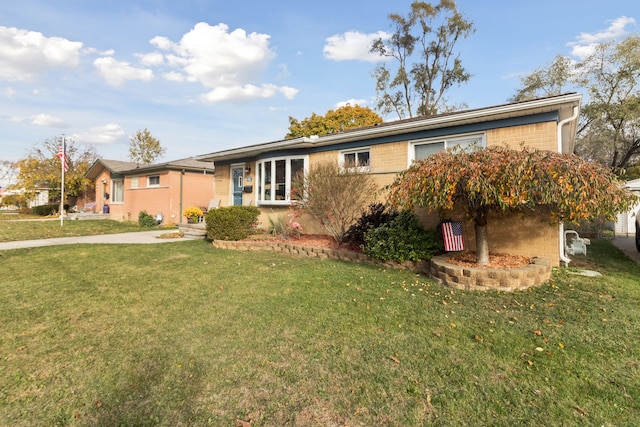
117, 167
565, 106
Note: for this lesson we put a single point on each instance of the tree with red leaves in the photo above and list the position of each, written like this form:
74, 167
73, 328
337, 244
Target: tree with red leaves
498, 179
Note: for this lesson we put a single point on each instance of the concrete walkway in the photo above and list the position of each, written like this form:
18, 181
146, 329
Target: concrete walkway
628, 246
142, 237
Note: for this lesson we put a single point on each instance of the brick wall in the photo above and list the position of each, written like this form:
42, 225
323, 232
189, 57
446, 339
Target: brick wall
541, 136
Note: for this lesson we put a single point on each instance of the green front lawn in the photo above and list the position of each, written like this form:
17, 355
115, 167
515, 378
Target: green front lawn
49, 228
185, 334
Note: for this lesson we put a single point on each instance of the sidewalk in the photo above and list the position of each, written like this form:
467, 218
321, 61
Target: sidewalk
628, 246
141, 237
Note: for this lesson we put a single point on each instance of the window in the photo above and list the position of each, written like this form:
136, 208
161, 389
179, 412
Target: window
275, 176
153, 181
424, 148
355, 159
134, 182
117, 191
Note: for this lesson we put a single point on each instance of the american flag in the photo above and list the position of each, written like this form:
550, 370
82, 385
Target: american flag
64, 161
452, 234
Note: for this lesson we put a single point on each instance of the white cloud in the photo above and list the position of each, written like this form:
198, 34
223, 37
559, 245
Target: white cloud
9, 92
45, 120
246, 92
151, 59
228, 63
586, 42
352, 102
117, 72
26, 54
174, 76
110, 133
48, 120
353, 45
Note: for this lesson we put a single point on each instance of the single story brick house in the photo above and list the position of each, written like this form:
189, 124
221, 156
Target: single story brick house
164, 189
261, 174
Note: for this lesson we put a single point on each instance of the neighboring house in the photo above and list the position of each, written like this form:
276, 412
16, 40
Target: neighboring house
124, 189
626, 221
261, 174
40, 197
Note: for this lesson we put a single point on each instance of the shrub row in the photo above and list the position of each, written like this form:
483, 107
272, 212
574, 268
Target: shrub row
44, 210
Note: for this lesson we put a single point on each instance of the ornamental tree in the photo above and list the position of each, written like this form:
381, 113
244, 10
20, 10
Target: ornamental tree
500, 179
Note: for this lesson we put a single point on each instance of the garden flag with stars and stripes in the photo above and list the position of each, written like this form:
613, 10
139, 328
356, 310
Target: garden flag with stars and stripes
452, 235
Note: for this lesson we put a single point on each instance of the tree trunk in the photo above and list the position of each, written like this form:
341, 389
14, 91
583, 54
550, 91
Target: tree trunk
482, 244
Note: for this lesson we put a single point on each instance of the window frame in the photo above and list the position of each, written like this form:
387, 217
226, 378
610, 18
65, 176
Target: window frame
134, 182
149, 184
343, 153
114, 193
274, 189
448, 142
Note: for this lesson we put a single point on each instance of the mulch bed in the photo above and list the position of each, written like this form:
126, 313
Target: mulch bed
468, 259
464, 259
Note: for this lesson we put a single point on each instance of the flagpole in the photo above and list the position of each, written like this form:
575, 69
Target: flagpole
62, 160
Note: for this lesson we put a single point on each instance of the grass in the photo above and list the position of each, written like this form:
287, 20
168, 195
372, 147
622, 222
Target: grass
48, 228
185, 334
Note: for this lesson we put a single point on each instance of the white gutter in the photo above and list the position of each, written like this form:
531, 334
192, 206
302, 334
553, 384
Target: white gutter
561, 242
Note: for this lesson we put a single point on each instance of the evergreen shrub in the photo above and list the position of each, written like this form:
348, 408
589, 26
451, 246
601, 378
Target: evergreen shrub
44, 210
402, 239
146, 220
231, 222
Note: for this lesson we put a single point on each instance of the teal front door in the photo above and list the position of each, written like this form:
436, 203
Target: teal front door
237, 175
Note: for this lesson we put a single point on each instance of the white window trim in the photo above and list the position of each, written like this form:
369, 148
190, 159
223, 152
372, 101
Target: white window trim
136, 180
342, 153
447, 140
113, 191
149, 185
259, 188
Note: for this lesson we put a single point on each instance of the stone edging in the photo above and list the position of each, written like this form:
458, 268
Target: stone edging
317, 252
454, 276
473, 278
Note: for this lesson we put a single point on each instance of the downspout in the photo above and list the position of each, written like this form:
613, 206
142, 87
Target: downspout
180, 213
563, 256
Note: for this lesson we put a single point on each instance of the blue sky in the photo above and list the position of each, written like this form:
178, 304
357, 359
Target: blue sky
207, 75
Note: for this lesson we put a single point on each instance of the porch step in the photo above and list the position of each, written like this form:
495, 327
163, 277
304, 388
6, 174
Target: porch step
194, 231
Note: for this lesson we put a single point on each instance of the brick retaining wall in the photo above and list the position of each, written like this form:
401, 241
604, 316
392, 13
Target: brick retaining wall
451, 275
318, 252
483, 279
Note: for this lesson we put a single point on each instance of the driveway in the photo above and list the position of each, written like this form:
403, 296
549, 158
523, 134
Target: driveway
628, 246
142, 237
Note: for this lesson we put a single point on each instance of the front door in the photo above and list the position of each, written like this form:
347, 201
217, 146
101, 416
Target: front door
237, 175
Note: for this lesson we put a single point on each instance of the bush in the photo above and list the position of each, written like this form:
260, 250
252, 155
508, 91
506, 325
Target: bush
375, 217
283, 227
334, 196
231, 222
402, 239
145, 220
44, 210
